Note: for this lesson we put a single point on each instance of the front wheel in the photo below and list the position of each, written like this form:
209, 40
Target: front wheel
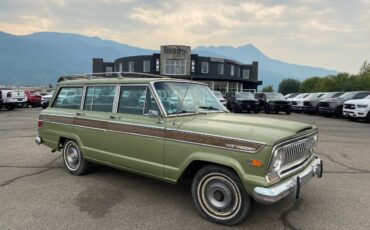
219, 195
73, 159
10, 106
287, 112
368, 117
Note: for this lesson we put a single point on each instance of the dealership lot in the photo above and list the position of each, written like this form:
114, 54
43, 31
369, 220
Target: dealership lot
36, 192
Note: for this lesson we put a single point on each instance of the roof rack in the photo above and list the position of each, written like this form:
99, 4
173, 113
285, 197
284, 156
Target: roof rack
90, 76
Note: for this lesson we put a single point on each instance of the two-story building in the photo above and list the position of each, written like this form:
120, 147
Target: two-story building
177, 61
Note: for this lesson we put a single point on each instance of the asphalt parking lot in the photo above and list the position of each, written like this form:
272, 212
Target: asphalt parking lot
36, 192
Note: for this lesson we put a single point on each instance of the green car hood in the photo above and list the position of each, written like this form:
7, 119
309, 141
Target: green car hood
259, 129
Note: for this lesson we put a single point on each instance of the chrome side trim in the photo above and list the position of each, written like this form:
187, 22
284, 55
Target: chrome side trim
219, 136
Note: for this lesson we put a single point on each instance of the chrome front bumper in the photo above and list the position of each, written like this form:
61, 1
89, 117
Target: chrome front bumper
293, 185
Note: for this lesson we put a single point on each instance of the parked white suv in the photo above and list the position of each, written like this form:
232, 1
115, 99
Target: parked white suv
359, 108
13, 98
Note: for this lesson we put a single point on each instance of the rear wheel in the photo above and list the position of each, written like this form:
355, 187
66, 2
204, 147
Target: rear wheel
74, 160
219, 196
368, 117
339, 112
25, 105
287, 112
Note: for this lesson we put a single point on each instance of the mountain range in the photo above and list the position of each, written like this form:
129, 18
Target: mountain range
39, 58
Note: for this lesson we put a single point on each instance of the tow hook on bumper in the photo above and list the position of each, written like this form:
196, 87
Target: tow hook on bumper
38, 140
293, 185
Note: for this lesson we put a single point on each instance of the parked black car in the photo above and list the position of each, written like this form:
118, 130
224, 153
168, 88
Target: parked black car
334, 106
242, 101
273, 102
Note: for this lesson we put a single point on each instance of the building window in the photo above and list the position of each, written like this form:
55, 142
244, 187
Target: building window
174, 66
233, 86
146, 66
232, 70
220, 68
108, 70
120, 67
204, 67
131, 66
209, 84
245, 73
157, 65
238, 72
220, 86
192, 66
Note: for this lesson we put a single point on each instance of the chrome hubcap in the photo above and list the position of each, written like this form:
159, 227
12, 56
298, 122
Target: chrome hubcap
219, 196
72, 156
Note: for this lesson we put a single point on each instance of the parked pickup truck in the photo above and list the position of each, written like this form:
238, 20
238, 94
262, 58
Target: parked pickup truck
357, 109
13, 98
230, 158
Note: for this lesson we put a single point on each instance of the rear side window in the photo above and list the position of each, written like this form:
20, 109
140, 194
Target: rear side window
136, 100
99, 98
68, 98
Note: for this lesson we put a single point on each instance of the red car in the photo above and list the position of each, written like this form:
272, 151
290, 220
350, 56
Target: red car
34, 98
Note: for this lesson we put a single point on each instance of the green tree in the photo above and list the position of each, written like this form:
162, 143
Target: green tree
365, 68
268, 89
289, 86
309, 85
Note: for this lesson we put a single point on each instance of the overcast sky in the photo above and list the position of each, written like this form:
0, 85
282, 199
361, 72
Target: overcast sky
333, 34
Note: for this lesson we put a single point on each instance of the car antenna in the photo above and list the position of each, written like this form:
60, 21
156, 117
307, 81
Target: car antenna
183, 99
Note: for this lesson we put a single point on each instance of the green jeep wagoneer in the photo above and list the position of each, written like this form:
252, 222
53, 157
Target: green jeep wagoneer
174, 129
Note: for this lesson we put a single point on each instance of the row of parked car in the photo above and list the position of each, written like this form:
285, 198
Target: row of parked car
352, 105
16, 98
255, 102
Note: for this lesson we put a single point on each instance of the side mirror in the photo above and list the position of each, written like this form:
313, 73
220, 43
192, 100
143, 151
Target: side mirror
153, 113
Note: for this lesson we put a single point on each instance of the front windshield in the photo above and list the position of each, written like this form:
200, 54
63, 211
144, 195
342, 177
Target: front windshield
278, 96
347, 95
198, 98
301, 95
244, 95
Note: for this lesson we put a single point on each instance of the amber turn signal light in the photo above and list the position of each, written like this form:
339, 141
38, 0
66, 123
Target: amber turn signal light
256, 163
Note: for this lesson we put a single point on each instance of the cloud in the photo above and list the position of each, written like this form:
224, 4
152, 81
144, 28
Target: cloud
296, 31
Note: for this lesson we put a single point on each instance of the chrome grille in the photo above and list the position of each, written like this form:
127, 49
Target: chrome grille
296, 152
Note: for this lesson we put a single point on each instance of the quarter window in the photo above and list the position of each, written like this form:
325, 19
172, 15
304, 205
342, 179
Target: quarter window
99, 98
204, 67
68, 98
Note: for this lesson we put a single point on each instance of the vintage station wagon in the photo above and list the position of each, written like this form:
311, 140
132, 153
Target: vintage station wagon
173, 130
